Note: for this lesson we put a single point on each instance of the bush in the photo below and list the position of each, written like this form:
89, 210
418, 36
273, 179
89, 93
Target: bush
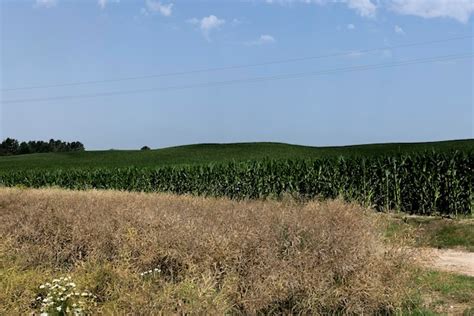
203, 255
145, 148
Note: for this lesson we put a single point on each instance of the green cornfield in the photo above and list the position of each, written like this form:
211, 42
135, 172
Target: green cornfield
425, 183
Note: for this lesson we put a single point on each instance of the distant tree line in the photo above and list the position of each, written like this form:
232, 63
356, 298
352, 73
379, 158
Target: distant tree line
12, 146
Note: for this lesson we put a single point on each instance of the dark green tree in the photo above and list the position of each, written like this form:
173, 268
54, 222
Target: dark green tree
9, 146
24, 148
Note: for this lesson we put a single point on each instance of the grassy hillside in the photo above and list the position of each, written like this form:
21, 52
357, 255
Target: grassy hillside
213, 153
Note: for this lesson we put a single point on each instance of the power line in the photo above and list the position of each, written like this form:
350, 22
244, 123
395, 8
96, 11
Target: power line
255, 79
283, 61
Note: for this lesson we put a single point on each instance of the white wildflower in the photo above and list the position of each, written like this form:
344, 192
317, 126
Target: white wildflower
61, 298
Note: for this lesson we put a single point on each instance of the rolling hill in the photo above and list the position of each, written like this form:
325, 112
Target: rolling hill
214, 153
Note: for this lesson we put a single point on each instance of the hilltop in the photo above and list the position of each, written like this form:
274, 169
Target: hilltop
215, 153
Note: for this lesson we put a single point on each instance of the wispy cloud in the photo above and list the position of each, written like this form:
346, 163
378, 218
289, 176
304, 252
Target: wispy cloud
236, 22
355, 54
383, 53
399, 30
207, 24
103, 3
45, 3
350, 26
363, 7
157, 7
460, 10
262, 40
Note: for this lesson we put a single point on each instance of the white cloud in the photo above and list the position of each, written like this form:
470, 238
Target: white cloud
103, 3
211, 22
350, 26
355, 54
46, 3
364, 8
236, 22
382, 53
399, 30
266, 39
460, 10
262, 40
207, 24
157, 7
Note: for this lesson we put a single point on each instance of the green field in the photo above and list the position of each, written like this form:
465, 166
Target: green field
215, 153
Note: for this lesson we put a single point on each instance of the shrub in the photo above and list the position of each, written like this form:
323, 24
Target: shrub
212, 256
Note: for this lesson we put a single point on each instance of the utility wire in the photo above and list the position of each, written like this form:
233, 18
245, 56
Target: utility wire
283, 61
255, 79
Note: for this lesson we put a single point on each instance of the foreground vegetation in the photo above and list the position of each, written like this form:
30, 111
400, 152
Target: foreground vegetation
444, 293
203, 154
425, 183
435, 232
159, 253
201, 255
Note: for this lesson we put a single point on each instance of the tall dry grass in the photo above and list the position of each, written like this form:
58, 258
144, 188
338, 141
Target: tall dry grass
216, 256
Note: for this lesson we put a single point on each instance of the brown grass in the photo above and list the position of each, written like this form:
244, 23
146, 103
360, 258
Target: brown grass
217, 256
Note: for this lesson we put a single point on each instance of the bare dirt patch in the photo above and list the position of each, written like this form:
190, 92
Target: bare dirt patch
450, 260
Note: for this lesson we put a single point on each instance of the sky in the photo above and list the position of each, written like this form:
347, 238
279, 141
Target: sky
124, 74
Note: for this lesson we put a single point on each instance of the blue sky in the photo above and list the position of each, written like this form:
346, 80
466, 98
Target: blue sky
47, 42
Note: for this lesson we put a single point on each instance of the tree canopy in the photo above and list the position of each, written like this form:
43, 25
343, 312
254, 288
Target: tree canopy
11, 146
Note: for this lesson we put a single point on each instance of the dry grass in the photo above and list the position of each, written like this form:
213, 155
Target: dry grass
217, 256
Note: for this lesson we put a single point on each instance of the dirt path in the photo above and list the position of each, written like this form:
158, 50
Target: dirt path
451, 260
